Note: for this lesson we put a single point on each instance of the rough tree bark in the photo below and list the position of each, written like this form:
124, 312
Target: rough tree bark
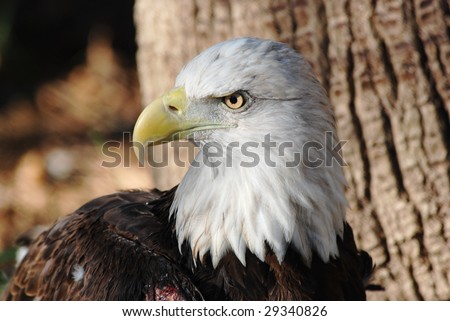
386, 66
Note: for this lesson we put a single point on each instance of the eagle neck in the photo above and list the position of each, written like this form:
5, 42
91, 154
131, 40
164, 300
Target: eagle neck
233, 208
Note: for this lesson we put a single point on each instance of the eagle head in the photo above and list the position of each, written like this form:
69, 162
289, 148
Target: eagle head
266, 177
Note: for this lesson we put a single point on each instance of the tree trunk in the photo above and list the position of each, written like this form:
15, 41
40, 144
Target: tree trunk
386, 67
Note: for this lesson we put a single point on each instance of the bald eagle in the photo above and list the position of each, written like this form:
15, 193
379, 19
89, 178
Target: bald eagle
234, 229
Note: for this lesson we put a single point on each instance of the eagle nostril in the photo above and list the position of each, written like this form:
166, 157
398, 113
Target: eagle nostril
172, 108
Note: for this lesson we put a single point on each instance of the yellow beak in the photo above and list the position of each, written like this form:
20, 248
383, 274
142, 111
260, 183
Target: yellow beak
162, 120
165, 120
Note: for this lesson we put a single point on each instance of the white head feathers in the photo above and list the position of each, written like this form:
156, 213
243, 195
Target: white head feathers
235, 207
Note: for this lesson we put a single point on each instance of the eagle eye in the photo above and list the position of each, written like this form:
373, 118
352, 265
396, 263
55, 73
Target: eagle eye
234, 101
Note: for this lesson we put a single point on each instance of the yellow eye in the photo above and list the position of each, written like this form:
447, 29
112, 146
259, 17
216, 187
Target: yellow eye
234, 101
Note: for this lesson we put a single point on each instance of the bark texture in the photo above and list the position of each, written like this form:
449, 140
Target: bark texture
386, 66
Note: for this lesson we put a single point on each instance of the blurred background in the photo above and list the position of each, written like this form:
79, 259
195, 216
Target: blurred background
68, 83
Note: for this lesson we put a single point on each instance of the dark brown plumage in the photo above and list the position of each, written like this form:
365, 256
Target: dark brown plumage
129, 252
